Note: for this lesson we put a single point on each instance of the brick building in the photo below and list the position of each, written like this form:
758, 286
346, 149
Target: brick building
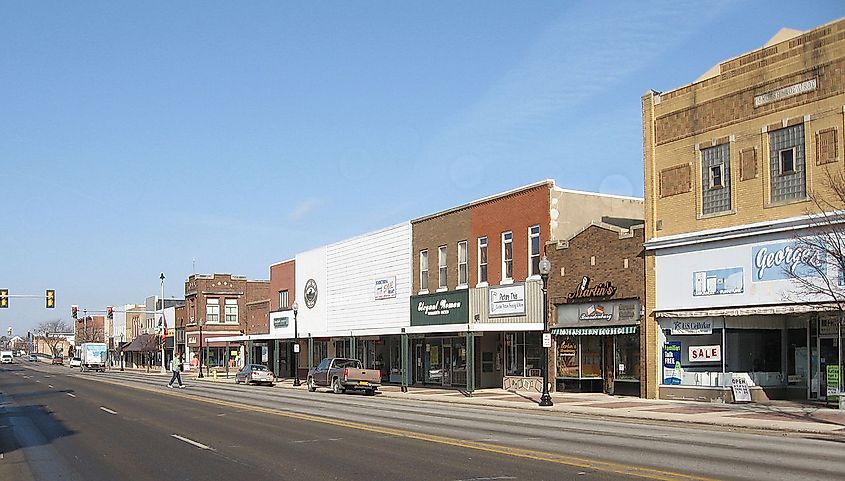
220, 306
481, 260
732, 163
597, 291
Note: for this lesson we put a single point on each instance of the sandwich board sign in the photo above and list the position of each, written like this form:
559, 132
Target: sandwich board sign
740, 390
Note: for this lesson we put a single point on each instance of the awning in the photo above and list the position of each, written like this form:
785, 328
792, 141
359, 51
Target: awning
594, 331
748, 311
142, 343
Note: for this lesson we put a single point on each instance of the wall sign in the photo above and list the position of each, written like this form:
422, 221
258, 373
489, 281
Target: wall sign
280, 322
386, 288
440, 308
507, 301
595, 312
692, 327
717, 282
785, 259
705, 353
779, 94
310, 293
584, 291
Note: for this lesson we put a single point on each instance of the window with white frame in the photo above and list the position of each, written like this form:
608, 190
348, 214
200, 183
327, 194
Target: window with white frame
283, 299
507, 255
482, 259
442, 271
424, 270
231, 310
534, 250
212, 309
463, 274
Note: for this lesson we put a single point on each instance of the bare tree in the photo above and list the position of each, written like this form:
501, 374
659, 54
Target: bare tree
52, 333
816, 265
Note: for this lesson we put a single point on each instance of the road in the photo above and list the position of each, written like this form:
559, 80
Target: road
61, 424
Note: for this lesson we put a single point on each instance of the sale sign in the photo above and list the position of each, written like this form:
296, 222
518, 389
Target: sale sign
705, 353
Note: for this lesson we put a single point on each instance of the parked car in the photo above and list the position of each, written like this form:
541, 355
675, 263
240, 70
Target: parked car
342, 374
58, 360
255, 374
6, 357
33, 358
75, 362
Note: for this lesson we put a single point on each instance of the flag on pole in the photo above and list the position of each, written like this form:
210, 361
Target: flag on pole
163, 323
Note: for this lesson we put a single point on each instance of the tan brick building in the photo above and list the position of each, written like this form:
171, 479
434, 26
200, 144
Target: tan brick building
731, 163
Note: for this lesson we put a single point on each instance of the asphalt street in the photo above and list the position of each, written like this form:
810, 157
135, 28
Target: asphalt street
61, 424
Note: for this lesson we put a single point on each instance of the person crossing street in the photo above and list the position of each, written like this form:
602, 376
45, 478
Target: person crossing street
176, 368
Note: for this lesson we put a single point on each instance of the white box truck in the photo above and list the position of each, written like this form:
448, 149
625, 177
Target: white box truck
93, 355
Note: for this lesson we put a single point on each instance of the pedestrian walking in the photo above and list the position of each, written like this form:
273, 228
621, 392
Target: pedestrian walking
176, 368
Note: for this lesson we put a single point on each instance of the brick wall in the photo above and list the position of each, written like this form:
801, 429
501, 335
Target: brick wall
282, 277
446, 229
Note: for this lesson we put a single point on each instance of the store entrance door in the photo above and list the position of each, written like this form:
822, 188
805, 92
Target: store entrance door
447, 364
828, 356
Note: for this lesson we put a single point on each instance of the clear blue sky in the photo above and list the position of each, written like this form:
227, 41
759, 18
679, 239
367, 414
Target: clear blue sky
136, 137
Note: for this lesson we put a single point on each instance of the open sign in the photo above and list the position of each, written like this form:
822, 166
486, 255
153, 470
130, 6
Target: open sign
705, 353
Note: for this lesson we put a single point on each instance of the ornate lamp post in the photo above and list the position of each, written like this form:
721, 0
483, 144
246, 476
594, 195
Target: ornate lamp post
545, 269
295, 346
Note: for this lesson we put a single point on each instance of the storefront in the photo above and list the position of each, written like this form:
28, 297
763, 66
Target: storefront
598, 346
738, 319
438, 350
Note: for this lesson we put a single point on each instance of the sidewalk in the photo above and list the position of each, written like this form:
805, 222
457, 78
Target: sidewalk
783, 416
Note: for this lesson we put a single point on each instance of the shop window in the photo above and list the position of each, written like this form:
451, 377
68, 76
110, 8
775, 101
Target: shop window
627, 356
568, 364
523, 353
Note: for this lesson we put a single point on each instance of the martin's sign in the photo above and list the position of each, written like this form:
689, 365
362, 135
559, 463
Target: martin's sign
440, 308
584, 291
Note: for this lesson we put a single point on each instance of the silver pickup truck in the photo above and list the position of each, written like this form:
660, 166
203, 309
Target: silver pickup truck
342, 374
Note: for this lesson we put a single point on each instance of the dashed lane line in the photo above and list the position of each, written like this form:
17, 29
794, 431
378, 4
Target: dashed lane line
103, 408
192, 442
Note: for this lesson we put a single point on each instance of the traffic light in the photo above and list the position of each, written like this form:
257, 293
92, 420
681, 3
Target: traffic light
4, 298
74, 310
110, 312
51, 298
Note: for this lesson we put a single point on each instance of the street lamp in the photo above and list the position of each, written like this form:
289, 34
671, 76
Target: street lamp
545, 269
295, 346
163, 328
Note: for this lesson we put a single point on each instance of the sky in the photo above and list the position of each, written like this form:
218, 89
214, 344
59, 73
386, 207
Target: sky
141, 138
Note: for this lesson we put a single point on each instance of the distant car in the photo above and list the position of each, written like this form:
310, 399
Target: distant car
6, 357
75, 362
58, 360
255, 374
33, 357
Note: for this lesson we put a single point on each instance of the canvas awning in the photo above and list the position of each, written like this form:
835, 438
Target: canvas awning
594, 331
748, 311
142, 343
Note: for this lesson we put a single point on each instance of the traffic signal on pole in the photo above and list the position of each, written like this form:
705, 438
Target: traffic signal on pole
110, 312
51, 298
4, 298
74, 310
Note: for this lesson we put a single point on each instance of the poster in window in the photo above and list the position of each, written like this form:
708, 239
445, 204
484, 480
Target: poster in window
672, 362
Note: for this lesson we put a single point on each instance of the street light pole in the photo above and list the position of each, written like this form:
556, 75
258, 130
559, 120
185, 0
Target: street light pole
200, 350
545, 269
295, 346
163, 330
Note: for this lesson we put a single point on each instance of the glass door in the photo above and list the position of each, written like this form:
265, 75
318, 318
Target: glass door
447, 364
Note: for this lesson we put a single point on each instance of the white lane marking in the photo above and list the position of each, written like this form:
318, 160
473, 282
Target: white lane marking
71, 395
37, 381
108, 410
50, 386
192, 442
487, 479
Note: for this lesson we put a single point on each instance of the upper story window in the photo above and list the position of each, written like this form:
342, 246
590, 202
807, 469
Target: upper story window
716, 179
786, 163
283, 299
482, 259
534, 250
507, 255
212, 309
442, 271
424, 270
463, 273
231, 310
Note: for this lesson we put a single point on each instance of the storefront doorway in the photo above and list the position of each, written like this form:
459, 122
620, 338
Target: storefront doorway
824, 360
440, 361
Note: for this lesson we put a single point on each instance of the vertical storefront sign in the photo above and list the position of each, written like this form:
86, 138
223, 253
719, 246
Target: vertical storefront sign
672, 362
